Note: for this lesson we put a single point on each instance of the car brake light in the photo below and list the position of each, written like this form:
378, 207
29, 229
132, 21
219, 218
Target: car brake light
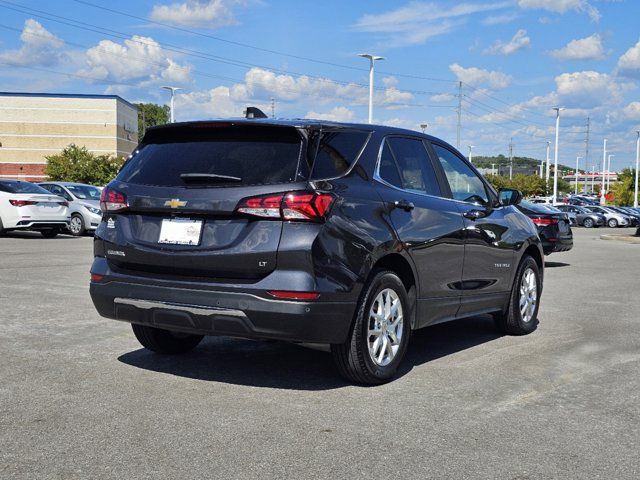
112, 200
542, 221
21, 203
96, 277
305, 206
288, 295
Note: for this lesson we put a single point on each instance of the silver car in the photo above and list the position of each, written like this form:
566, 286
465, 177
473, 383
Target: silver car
84, 204
613, 218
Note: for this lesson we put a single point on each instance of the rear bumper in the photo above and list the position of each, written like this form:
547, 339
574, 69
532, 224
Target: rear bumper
236, 312
37, 224
561, 244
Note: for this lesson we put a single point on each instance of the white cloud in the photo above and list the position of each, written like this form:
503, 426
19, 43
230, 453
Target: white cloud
589, 48
519, 41
500, 19
632, 111
416, 22
587, 89
629, 62
336, 114
39, 47
193, 13
136, 59
442, 97
476, 76
562, 6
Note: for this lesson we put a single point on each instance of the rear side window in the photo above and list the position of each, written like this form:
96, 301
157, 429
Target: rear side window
21, 187
337, 150
255, 155
405, 164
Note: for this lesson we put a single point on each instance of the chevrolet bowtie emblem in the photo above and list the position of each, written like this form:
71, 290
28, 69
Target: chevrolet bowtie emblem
174, 203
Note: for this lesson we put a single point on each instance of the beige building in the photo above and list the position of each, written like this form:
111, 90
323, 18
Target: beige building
34, 125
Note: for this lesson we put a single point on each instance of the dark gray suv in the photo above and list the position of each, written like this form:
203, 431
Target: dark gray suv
344, 234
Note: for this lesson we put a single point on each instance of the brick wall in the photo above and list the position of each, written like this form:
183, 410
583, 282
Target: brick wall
32, 172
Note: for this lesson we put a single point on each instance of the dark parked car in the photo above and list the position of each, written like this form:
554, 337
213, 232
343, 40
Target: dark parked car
307, 231
581, 216
581, 201
553, 226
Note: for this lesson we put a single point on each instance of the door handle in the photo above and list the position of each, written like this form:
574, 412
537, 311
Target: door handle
474, 214
404, 205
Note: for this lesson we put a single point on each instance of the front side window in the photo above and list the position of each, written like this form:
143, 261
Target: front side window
405, 164
465, 184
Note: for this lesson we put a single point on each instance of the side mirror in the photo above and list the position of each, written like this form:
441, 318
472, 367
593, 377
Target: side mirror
509, 196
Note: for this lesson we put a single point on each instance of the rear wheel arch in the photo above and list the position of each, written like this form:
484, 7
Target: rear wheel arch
534, 252
402, 267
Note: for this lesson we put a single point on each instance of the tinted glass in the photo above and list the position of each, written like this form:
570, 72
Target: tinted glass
336, 152
464, 183
415, 168
85, 192
388, 167
255, 155
21, 187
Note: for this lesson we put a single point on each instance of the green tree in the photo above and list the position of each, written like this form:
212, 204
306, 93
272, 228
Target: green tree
77, 164
624, 188
150, 115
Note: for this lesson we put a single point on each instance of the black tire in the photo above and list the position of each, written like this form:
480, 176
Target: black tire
164, 341
588, 223
76, 226
511, 321
52, 233
2, 230
613, 223
352, 358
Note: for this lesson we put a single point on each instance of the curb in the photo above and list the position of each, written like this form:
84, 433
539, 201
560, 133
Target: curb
621, 238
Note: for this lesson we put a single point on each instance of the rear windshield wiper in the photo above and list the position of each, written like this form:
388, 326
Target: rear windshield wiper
208, 177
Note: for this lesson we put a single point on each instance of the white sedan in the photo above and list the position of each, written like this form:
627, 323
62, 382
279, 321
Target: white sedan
26, 206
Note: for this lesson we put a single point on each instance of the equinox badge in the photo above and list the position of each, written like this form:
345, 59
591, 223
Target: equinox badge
174, 203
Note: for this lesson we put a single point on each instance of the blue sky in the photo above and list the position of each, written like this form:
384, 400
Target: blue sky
516, 58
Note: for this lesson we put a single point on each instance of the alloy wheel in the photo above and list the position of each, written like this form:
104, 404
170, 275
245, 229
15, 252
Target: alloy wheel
528, 295
76, 225
385, 327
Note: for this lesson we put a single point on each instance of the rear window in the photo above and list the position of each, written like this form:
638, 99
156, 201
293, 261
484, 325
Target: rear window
337, 150
255, 155
21, 187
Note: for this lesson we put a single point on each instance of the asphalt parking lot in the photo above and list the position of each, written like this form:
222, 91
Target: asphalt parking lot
79, 398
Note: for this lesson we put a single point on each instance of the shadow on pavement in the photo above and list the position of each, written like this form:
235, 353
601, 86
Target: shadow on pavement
37, 236
556, 264
289, 366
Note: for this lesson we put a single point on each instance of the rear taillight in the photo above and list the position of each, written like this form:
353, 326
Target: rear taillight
543, 221
112, 200
96, 277
21, 203
304, 206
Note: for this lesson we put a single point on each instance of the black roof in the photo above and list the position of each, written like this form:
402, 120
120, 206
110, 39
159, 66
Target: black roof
297, 123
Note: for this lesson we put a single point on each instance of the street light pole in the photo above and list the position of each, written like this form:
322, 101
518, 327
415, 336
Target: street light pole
604, 166
555, 161
577, 159
635, 196
546, 185
470, 156
372, 59
173, 91
424, 126
609, 172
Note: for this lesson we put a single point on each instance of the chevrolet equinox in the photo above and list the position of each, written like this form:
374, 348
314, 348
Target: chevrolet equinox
309, 231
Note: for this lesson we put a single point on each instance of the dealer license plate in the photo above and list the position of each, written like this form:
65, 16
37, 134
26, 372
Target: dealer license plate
180, 231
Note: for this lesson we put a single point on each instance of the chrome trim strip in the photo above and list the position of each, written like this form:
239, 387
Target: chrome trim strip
196, 310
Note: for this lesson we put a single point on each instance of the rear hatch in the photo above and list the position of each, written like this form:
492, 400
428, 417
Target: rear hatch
182, 188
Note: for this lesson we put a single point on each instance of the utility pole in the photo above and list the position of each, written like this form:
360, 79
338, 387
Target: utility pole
273, 107
635, 196
511, 159
604, 165
459, 110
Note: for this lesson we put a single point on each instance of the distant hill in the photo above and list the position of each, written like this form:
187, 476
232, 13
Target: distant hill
502, 161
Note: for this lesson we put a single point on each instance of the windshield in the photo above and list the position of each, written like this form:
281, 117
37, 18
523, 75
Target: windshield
84, 192
17, 186
198, 156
